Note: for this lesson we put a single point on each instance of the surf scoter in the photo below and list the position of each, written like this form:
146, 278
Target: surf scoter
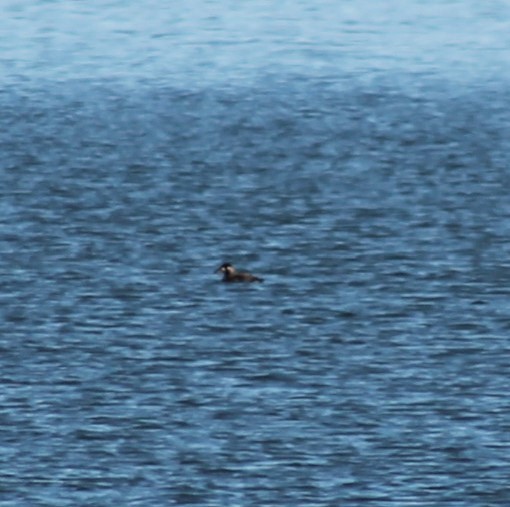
230, 274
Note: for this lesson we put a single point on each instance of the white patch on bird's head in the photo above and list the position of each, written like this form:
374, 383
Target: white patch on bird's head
226, 268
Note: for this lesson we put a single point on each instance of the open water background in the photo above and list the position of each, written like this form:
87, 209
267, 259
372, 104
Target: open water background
354, 154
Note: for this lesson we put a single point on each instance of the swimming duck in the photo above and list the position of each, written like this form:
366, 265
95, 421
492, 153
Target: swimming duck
230, 274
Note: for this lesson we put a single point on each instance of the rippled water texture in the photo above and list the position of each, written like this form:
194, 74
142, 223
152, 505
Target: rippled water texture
356, 158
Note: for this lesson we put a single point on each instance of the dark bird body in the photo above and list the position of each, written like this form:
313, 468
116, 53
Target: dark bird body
230, 274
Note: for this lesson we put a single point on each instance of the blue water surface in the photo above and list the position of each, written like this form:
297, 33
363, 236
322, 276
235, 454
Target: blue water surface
354, 154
